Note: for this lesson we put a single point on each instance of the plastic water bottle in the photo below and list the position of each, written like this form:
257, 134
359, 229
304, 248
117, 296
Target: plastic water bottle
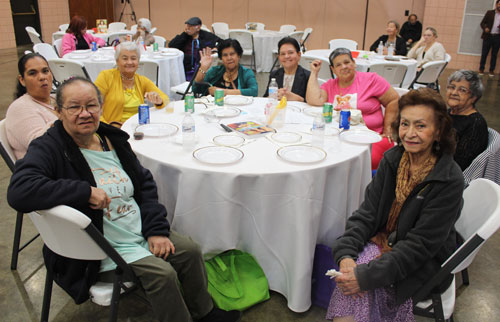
390, 50
380, 48
188, 132
318, 131
273, 96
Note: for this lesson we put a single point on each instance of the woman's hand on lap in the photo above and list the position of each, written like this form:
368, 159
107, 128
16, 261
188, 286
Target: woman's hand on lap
161, 246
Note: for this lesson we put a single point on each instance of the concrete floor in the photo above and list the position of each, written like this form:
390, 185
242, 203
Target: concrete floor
21, 291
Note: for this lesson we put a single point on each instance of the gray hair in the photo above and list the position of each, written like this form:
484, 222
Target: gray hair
146, 24
475, 84
338, 52
61, 88
127, 45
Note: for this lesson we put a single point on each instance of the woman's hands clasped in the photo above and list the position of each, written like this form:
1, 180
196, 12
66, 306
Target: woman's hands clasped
347, 282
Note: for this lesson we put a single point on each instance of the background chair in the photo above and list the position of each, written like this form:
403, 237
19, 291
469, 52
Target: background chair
45, 50
161, 41
288, 29
257, 26
70, 233
307, 33
245, 39
221, 29
297, 35
133, 28
153, 30
343, 43
429, 74
149, 69
116, 26
63, 27
120, 35
487, 164
204, 27
58, 47
33, 34
62, 69
401, 91
392, 72
325, 73
478, 221
10, 159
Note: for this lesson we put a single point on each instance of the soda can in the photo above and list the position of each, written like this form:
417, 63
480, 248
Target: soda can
144, 114
345, 120
189, 103
219, 97
327, 112
129, 37
155, 46
94, 46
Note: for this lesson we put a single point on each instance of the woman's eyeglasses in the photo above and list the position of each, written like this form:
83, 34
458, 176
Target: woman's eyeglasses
461, 89
77, 109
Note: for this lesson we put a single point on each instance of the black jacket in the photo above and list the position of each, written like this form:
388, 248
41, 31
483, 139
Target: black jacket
413, 32
400, 45
426, 234
487, 22
299, 86
54, 172
207, 39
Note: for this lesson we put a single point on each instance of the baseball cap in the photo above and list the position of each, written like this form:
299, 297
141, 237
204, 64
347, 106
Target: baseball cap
193, 21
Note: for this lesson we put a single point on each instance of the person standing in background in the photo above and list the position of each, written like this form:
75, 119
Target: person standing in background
491, 38
411, 30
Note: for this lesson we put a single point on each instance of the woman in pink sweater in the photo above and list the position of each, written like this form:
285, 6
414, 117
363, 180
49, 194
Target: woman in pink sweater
77, 37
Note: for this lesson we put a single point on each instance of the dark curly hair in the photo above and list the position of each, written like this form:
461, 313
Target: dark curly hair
227, 43
446, 142
21, 67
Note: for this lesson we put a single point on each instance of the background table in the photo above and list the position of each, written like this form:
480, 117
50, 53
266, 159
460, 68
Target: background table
275, 210
362, 64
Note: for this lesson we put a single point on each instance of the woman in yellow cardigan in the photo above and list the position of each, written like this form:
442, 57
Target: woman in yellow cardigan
123, 89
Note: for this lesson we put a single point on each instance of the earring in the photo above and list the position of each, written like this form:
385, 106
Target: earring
437, 146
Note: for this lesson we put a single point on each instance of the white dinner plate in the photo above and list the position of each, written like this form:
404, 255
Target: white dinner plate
313, 111
224, 112
303, 154
286, 137
360, 136
228, 140
238, 100
218, 155
169, 50
157, 129
168, 53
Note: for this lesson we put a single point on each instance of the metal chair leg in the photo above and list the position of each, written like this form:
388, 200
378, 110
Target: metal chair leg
438, 308
47, 294
465, 277
17, 240
115, 297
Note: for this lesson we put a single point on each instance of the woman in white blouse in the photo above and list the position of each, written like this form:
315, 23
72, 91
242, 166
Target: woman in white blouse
427, 48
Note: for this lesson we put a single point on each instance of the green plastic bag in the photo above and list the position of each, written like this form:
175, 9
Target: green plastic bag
236, 281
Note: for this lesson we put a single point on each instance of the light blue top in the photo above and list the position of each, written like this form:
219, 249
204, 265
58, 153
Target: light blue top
122, 220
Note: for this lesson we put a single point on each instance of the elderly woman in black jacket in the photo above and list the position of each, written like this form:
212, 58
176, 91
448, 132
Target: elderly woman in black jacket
90, 166
404, 229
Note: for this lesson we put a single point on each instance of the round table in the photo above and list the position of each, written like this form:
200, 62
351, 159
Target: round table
171, 72
275, 210
362, 64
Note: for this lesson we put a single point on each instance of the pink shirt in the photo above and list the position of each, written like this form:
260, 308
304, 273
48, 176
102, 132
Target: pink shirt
363, 94
69, 45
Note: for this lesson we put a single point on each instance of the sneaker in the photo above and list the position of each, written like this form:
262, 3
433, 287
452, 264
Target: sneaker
491, 74
218, 315
481, 72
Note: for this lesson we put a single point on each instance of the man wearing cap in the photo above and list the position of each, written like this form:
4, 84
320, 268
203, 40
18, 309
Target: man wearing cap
191, 41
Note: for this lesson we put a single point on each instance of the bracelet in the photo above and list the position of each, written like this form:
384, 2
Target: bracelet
202, 71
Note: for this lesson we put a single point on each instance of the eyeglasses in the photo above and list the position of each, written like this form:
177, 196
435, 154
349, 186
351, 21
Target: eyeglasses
77, 109
461, 89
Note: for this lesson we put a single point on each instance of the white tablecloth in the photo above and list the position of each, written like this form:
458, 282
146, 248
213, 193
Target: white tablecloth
171, 71
362, 64
60, 34
275, 210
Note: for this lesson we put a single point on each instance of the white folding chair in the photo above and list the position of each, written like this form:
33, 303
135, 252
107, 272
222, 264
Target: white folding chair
401, 91
120, 35
288, 29
10, 159
204, 27
487, 164
133, 28
34, 35
429, 74
161, 41
150, 69
45, 50
63, 27
57, 36
221, 29
257, 26
343, 43
116, 26
394, 73
69, 233
478, 221
245, 38
305, 36
62, 69
325, 72
58, 47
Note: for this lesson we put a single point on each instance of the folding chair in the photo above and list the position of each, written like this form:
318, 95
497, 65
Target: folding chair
487, 164
204, 27
257, 26
245, 39
401, 91
297, 35
116, 26
45, 50
161, 41
120, 35
153, 30
184, 88
10, 159
325, 73
69, 233
478, 221
343, 43
150, 69
133, 28
429, 74
62, 69
63, 27
221, 29
393, 73
58, 47
307, 33
34, 35
287, 29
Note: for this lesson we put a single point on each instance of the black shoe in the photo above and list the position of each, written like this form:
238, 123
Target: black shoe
218, 315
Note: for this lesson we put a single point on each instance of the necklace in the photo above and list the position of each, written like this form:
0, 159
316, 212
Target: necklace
126, 78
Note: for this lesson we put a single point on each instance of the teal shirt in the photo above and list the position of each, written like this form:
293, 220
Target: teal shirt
122, 221
247, 83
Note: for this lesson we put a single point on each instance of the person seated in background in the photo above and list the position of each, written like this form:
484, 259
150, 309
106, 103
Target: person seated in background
191, 41
357, 90
33, 112
77, 37
144, 31
291, 78
232, 77
411, 30
91, 167
405, 228
462, 93
427, 49
392, 38
123, 89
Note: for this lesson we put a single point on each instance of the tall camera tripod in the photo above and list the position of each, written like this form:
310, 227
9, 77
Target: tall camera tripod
134, 17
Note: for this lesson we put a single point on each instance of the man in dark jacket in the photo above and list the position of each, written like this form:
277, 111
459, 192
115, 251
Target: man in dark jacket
191, 41
491, 38
411, 30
